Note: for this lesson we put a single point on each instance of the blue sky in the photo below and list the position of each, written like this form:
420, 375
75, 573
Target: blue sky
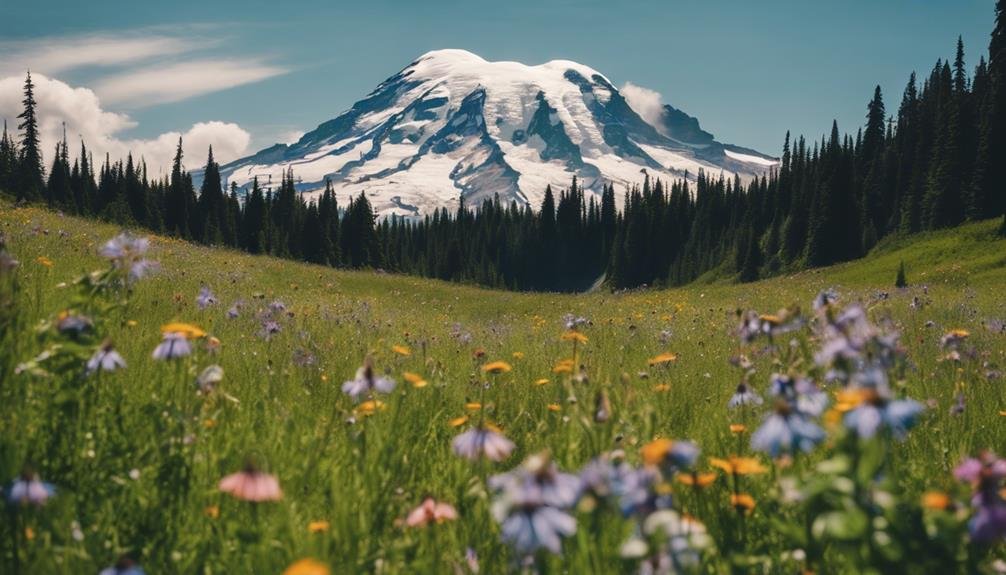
748, 70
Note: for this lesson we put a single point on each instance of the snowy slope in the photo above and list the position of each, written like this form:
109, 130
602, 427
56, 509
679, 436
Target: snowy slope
453, 124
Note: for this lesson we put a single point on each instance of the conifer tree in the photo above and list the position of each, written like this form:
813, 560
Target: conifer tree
211, 205
58, 188
31, 185
8, 162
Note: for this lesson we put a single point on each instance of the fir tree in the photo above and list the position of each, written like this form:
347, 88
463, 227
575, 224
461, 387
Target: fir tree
31, 184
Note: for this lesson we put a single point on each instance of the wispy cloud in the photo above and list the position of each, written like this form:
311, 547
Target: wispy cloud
53, 55
141, 67
180, 81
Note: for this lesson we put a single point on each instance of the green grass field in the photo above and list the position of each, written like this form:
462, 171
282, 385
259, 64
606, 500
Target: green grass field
136, 455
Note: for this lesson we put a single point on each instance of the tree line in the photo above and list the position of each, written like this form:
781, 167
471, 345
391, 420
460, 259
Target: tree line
938, 161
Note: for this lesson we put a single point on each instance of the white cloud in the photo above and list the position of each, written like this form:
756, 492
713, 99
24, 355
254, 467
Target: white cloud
81, 110
646, 102
290, 137
59, 54
174, 82
140, 67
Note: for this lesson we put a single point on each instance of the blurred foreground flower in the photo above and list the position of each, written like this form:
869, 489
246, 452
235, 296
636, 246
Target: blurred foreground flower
205, 298
28, 489
173, 345
367, 382
307, 567
531, 505
484, 441
105, 358
253, 485
127, 253
431, 511
985, 473
124, 566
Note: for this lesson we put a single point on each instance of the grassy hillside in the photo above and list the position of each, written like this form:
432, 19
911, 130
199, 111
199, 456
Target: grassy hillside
136, 455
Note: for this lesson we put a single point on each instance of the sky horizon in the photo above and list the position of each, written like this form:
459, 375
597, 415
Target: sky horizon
242, 76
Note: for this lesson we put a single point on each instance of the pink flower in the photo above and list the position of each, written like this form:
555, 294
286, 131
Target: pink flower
251, 484
429, 511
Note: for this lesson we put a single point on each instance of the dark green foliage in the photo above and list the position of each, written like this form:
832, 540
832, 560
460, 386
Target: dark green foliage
901, 281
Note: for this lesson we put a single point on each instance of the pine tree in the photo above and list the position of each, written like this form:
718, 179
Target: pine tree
901, 281
31, 179
8, 162
254, 221
989, 181
177, 201
58, 188
211, 204
874, 211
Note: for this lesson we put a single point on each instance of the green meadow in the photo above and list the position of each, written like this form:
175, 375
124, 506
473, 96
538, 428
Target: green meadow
135, 456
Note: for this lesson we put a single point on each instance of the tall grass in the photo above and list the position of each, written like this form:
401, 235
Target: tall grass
135, 455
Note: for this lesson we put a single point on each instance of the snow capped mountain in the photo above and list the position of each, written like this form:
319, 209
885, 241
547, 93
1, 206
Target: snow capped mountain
453, 124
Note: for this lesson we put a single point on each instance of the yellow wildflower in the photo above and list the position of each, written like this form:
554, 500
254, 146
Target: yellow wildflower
370, 407
742, 502
696, 479
735, 465
935, 500
655, 451
415, 379
307, 567
189, 330
663, 359
320, 526
564, 366
576, 336
496, 367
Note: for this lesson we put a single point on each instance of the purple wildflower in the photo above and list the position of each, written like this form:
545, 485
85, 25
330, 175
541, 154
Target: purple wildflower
985, 474
482, 442
172, 346
786, 432
367, 382
105, 358
744, 396
28, 489
531, 505
205, 298
127, 252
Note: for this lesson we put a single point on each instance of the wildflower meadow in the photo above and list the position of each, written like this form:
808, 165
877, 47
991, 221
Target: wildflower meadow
169, 408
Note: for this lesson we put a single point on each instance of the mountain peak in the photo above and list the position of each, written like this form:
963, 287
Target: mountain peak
449, 55
453, 124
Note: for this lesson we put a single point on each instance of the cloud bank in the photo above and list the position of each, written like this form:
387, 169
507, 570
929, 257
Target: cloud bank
84, 117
